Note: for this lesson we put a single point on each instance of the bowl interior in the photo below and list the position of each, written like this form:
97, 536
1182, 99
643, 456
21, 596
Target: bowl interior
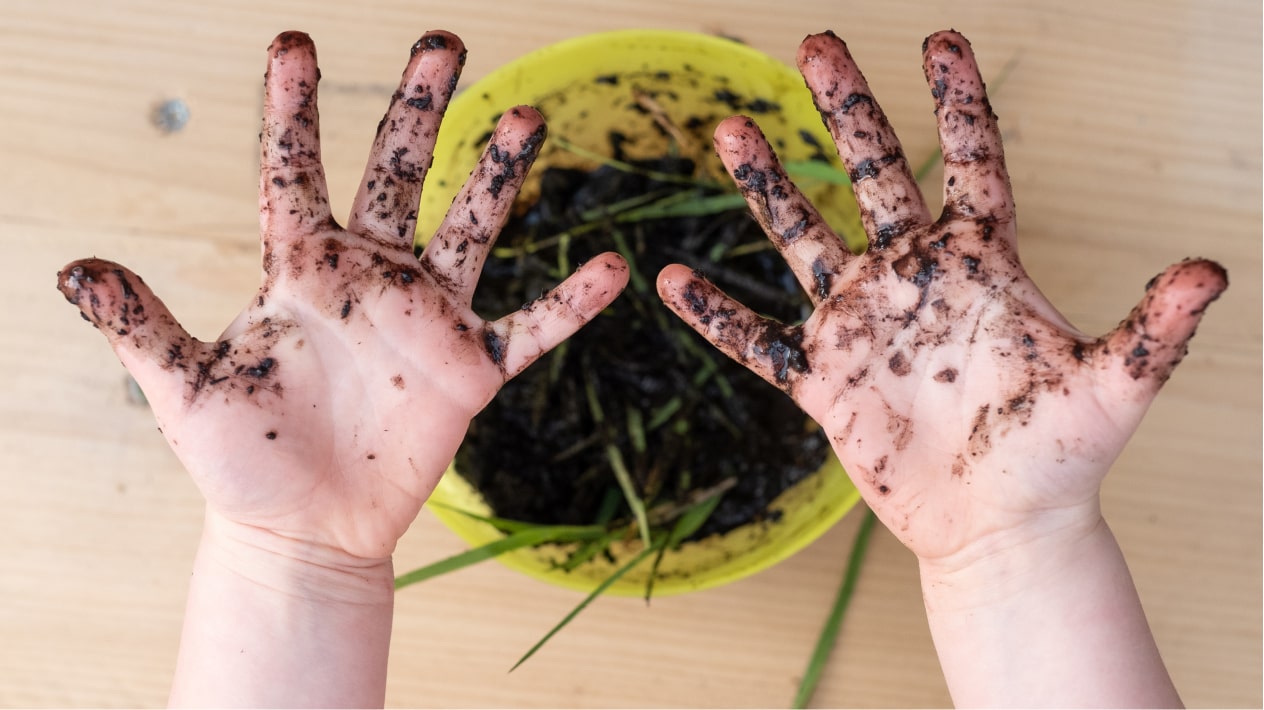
586, 88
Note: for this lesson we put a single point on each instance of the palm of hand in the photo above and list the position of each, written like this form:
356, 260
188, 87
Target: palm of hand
329, 408
958, 399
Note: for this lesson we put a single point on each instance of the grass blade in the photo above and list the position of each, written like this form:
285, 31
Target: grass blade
538, 535
693, 519
660, 416
629, 492
686, 525
570, 147
817, 170
589, 550
700, 206
634, 274
502, 524
829, 634
928, 165
613, 209
614, 577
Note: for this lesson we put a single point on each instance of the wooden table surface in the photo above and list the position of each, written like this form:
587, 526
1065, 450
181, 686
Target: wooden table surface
1134, 139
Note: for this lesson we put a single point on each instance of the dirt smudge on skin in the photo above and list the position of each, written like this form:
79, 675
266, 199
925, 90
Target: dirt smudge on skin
784, 348
899, 364
899, 426
980, 439
511, 162
822, 277
495, 346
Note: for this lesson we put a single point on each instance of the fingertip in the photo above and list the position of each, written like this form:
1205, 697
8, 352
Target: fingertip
523, 117
671, 278
291, 41
87, 283
815, 45
109, 296
438, 40
610, 266
1185, 290
733, 134
1154, 338
434, 65
524, 126
737, 128
829, 72
69, 279
946, 42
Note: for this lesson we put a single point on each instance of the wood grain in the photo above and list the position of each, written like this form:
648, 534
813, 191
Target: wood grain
1134, 139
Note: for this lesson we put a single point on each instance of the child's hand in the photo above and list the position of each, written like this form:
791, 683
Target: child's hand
960, 401
329, 408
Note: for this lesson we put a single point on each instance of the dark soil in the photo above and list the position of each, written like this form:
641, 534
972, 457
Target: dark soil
683, 415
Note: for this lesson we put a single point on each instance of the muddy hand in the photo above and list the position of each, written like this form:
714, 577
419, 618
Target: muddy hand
959, 400
330, 407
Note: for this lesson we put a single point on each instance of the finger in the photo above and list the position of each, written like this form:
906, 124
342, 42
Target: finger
813, 251
767, 348
456, 253
1152, 340
293, 199
386, 205
149, 341
890, 202
518, 339
976, 183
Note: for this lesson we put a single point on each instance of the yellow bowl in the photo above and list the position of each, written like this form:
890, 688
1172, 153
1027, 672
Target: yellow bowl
585, 89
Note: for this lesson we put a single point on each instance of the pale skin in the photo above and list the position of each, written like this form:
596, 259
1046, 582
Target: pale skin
320, 421
975, 420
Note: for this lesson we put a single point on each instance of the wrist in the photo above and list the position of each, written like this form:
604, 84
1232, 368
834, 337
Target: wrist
1009, 562
273, 621
293, 567
1046, 615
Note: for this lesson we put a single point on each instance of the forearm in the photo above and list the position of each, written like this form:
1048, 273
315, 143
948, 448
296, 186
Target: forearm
265, 629
1055, 621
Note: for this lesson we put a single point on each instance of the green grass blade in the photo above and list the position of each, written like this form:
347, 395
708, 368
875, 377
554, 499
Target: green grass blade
629, 492
829, 634
693, 519
816, 170
614, 577
570, 147
502, 524
660, 416
634, 274
700, 206
525, 538
686, 525
589, 550
928, 165
614, 208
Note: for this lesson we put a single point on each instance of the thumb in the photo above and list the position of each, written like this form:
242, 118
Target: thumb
151, 344
1152, 340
